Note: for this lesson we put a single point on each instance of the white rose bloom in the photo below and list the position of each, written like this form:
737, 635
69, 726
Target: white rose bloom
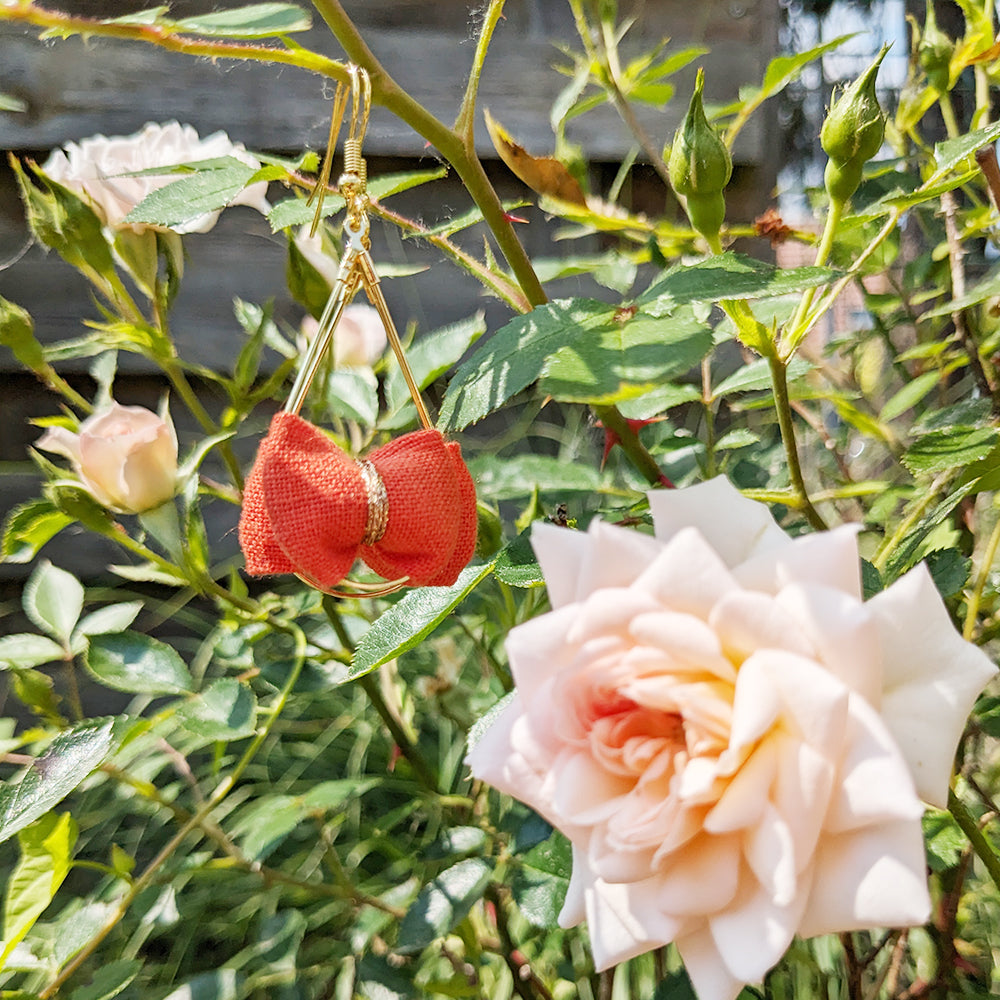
93, 168
735, 743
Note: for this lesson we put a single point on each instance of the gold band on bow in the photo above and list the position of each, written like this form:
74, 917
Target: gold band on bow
378, 503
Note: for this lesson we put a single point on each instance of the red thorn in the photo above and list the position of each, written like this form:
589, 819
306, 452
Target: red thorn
666, 482
635, 424
514, 218
393, 757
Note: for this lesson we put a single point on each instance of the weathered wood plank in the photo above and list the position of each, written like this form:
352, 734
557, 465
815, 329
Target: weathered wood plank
74, 89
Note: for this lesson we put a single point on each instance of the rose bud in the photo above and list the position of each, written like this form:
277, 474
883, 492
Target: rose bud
853, 132
125, 456
700, 166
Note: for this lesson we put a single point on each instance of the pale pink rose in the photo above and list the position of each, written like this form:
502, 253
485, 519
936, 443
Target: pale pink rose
359, 340
736, 745
94, 169
125, 456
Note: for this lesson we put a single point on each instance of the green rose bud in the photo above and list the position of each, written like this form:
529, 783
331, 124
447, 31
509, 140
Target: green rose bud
853, 132
700, 166
934, 52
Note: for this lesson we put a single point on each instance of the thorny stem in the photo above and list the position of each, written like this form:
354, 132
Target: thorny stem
194, 823
956, 257
982, 577
612, 419
465, 123
457, 149
919, 509
977, 838
503, 289
798, 329
25, 12
779, 382
603, 54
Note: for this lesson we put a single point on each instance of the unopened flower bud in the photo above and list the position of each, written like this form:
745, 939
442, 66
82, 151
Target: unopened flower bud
700, 166
125, 456
853, 132
934, 52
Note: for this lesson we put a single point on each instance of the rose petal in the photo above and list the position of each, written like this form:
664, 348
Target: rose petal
829, 558
869, 878
931, 677
843, 633
874, 782
747, 622
687, 575
576, 563
706, 968
755, 931
735, 527
626, 920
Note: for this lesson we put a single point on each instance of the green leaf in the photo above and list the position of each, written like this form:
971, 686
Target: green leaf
728, 276
8, 102
443, 904
580, 349
612, 269
661, 399
625, 359
192, 196
909, 396
137, 663
907, 553
949, 570
943, 840
46, 851
279, 939
950, 448
411, 620
109, 980
259, 20
951, 152
220, 984
988, 715
516, 564
757, 376
522, 475
432, 355
295, 211
225, 710
985, 288
113, 618
26, 650
540, 881
29, 527
70, 757
784, 69
53, 600
458, 840
352, 395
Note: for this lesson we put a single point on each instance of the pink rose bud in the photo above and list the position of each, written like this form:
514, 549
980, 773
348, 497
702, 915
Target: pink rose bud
126, 456
359, 340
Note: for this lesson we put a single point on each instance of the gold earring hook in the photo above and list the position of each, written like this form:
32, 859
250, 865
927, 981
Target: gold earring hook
357, 269
323, 183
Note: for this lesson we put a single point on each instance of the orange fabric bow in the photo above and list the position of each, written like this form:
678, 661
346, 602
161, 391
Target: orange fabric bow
408, 510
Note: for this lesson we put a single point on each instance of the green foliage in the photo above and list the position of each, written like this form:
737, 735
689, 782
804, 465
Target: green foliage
280, 806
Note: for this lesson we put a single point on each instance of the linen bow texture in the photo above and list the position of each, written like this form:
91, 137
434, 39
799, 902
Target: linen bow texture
408, 510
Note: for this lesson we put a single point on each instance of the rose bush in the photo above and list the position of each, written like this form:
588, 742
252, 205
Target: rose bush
97, 169
126, 456
735, 743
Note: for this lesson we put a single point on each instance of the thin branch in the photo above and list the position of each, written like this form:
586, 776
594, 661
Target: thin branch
956, 261
171, 40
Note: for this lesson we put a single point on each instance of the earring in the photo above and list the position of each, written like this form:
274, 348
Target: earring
408, 509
